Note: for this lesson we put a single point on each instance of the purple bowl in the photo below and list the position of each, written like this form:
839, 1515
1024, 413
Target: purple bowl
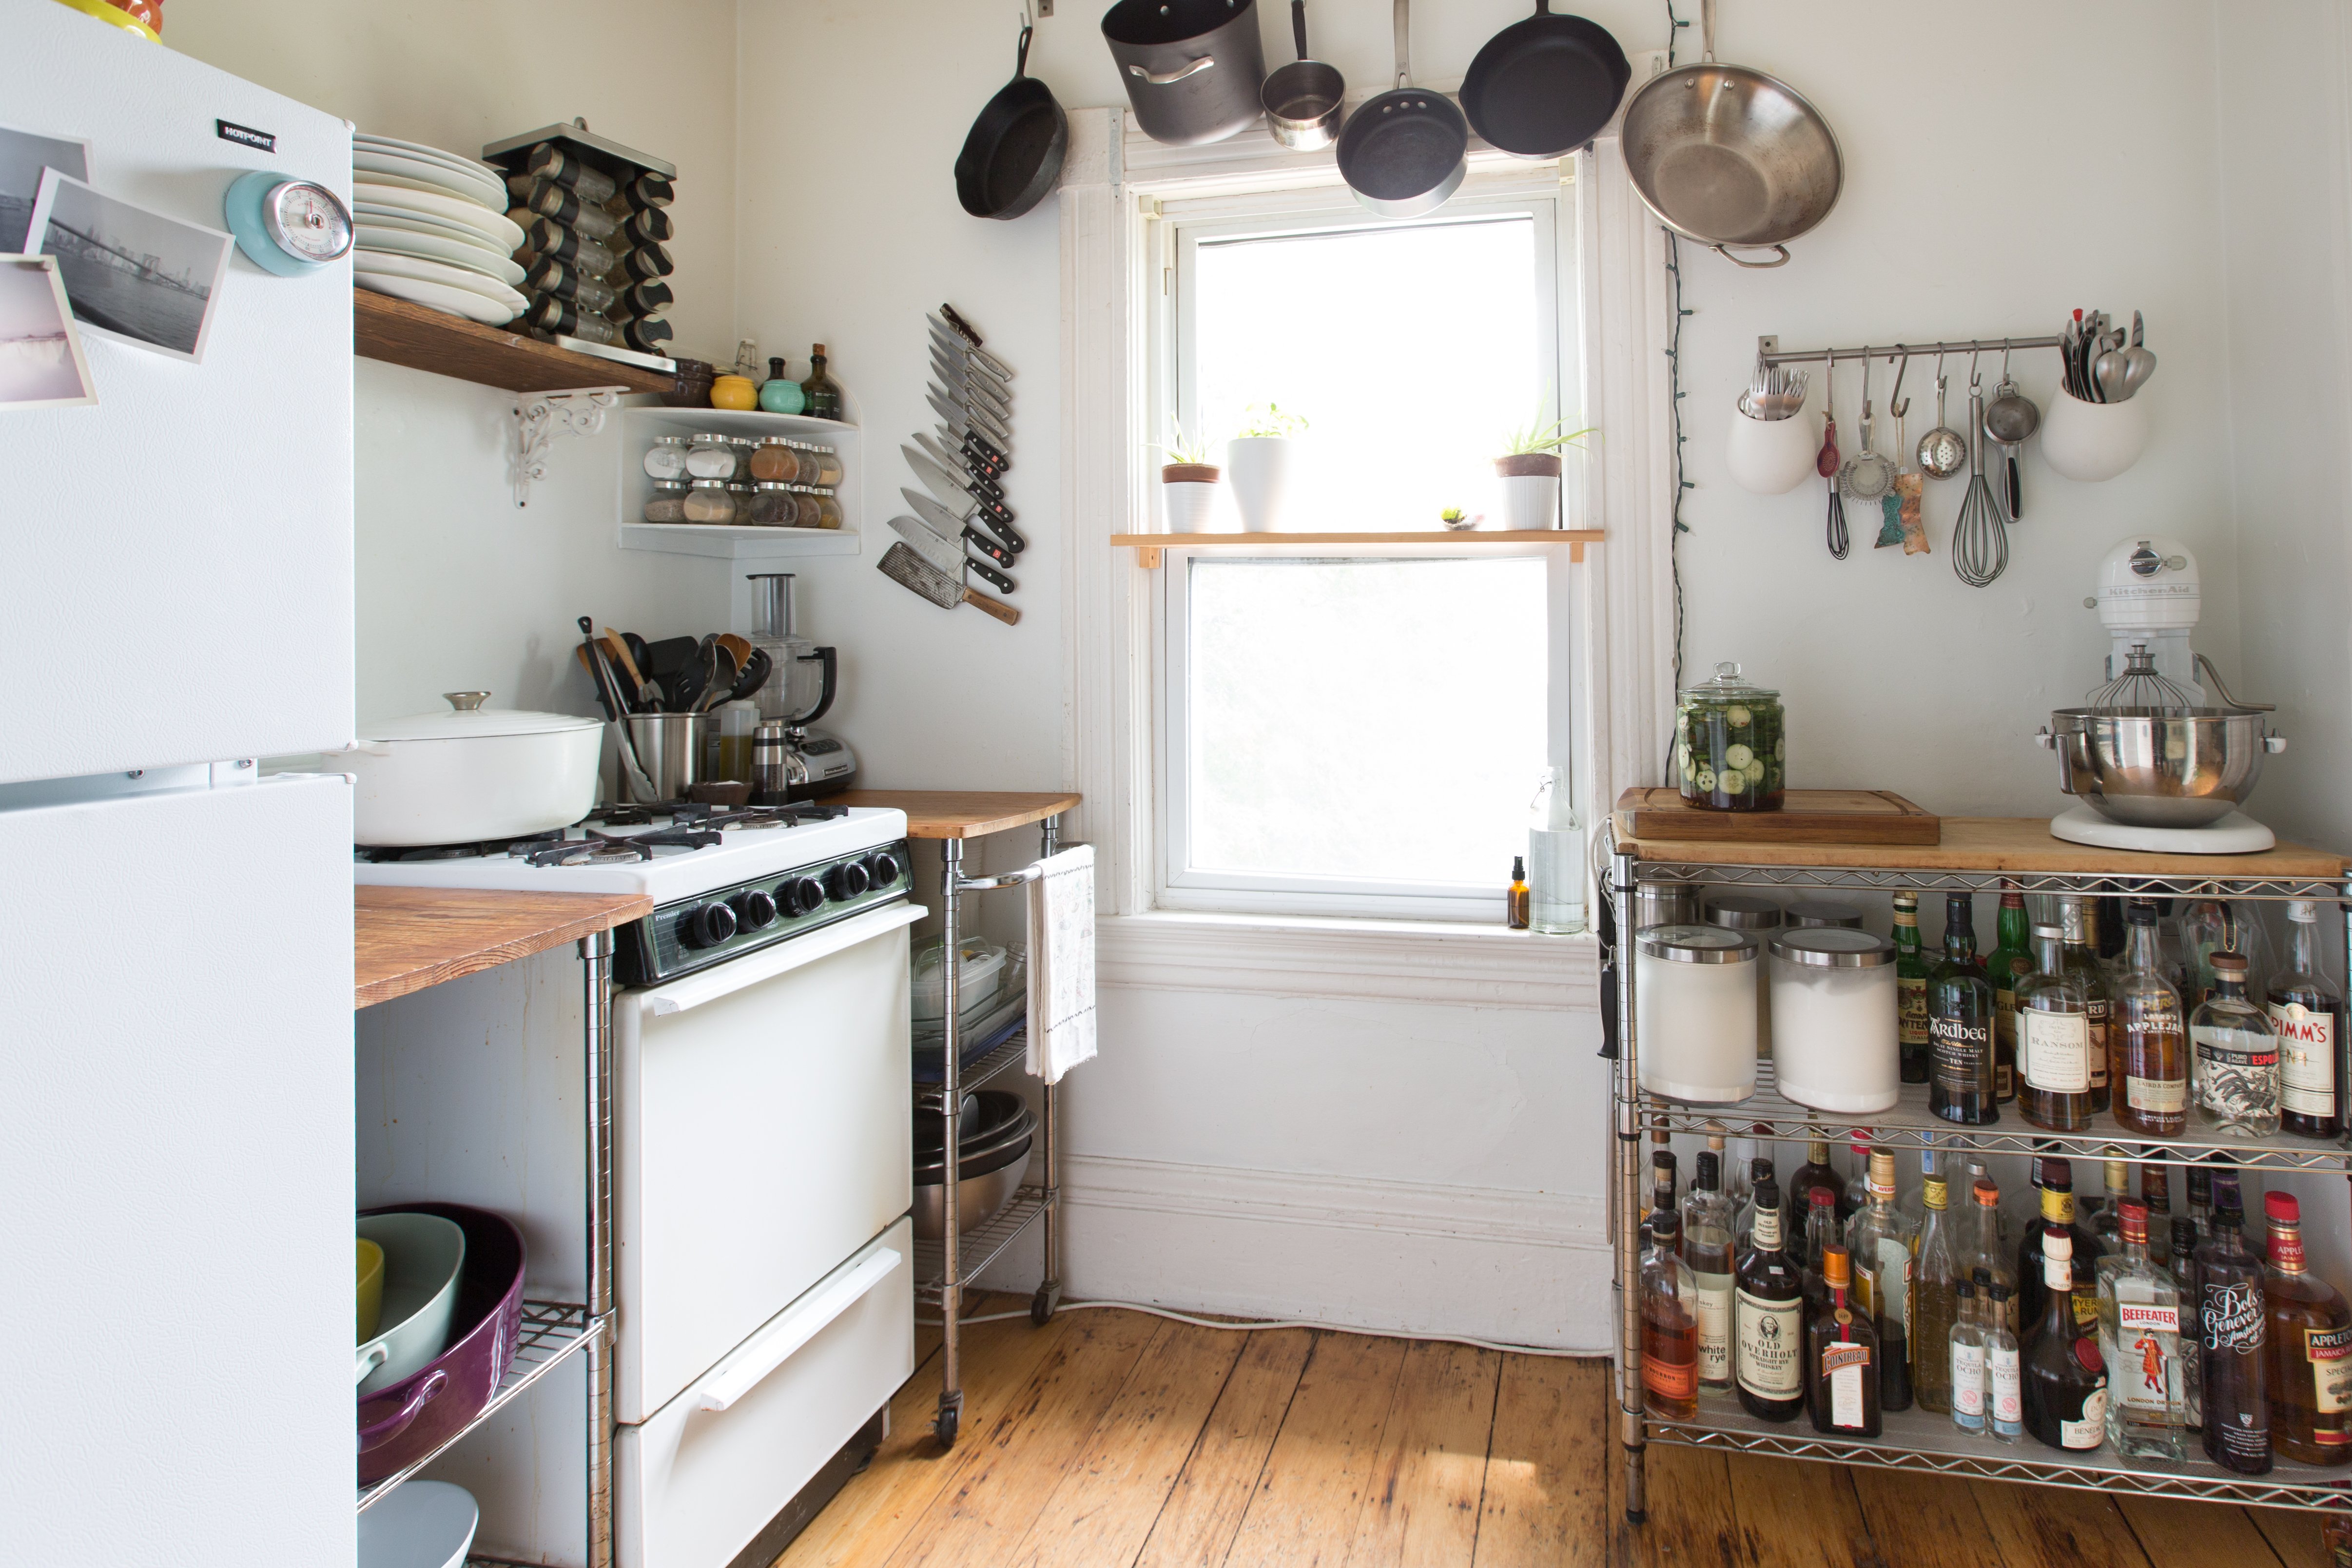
400, 1424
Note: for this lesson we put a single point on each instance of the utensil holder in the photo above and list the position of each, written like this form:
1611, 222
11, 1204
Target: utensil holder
669, 749
2091, 442
1772, 456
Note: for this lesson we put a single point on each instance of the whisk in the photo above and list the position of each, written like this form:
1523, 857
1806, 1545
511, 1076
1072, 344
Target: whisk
1979, 537
2139, 692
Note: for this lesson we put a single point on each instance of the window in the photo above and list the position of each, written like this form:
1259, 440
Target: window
1361, 733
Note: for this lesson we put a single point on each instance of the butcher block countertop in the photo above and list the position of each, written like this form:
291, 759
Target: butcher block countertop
412, 938
962, 814
1996, 844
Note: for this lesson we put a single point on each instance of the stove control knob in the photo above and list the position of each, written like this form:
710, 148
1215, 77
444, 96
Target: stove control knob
846, 881
881, 869
706, 926
753, 909
801, 894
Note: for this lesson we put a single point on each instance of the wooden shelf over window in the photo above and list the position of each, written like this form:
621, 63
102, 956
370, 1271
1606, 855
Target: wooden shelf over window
383, 327
1148, 546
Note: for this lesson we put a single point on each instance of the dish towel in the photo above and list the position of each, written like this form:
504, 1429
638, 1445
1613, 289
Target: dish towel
1062, 963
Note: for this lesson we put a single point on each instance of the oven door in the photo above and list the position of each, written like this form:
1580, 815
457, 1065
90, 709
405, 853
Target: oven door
762, 1133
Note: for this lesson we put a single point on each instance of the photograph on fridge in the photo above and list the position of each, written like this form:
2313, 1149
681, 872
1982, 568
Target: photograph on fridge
131, 273
41, 362
23, 155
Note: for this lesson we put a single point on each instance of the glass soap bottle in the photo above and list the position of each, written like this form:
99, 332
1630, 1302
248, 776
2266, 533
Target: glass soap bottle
1555, 859
2236, 1077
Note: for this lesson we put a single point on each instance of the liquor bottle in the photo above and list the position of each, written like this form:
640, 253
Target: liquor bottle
1961, 1010
1739, 1173
2106, 1218
1987, 1255
1935, 1275
2310, 1332
2058, 1218
1516, 897
2307, 1014
2230, 1323
1843, 1358
1706, 1248
2192, 1361
1669, 1324
1912, 1040
1816, 1172
2236, 1083
1964, 1361
2065, 1377
2012, 958
1879, 1240
2155, 1192
2107, 933
1822, 1232
2004, 1376
2139, 1335
2211, 926
2336, 1540
820, 394
2053, 1039
1662, 1188
1856, 1190
2201, 1202
2153, 1059
1768, 1321
2080, 925
1760, 1174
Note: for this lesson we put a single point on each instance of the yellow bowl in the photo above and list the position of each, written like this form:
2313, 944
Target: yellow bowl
371, 1300
734, 392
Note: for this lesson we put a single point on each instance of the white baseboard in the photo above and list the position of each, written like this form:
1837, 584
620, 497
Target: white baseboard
1519, 1268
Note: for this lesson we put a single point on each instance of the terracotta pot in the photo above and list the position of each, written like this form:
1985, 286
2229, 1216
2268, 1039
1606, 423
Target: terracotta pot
1528, 465
1189, 472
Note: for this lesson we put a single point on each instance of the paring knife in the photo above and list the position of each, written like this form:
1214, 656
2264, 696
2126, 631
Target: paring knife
963, 353
963, 430
902, 566
975, 453
944, 522
979, 418
977, 474
964, 329
942, 483
946, 557
973, 388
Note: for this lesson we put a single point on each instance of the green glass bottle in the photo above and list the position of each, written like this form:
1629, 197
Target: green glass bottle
2012, 958
1960, 1022
1913, 1037
821, 394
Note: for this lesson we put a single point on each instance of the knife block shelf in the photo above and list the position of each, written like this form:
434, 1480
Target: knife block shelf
1148, 546
640, 422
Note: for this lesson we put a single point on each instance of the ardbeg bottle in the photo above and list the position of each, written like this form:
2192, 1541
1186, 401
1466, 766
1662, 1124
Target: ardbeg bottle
1913, 1041
1961, 1018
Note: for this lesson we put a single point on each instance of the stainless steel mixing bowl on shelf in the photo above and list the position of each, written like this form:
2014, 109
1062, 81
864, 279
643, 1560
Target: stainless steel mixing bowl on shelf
2170, 770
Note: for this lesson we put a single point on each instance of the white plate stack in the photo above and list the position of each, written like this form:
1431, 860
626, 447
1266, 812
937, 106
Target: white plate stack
432, 229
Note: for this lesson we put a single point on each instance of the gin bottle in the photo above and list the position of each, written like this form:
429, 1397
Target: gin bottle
2139, 1335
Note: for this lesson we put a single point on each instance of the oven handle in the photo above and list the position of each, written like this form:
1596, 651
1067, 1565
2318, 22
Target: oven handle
767, 962
773, 1345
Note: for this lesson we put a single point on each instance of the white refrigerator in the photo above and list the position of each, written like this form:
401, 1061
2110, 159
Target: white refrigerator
175, 935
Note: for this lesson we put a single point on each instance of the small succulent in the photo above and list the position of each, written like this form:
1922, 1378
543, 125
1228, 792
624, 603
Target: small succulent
1541, 435
1266, 419
1181, 448
1454, 517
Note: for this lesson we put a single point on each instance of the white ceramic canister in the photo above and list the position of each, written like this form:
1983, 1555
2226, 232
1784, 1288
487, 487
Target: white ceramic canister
1694, 1012
1761, 918
1833, 1035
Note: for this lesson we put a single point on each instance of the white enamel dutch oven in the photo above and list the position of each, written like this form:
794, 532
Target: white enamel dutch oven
472, 773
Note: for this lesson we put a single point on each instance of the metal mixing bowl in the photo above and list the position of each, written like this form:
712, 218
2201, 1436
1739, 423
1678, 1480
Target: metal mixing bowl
2168, 771
979, 1199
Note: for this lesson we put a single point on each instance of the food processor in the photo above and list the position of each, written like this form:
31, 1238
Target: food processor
798, 694
2156, 763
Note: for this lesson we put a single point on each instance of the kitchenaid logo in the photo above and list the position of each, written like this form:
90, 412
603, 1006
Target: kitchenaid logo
2233, 1317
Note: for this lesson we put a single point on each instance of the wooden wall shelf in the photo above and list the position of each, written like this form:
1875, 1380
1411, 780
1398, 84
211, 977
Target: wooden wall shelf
394, 330
1148, 546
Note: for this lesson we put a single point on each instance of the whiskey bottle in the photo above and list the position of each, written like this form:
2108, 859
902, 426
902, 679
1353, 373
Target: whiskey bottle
2004, 1374
2231, 1319
2065, 1377
821, 394
1816, 1172
2310, 1332
2236, 1078
2053, 1039
1964, 1361
2080, 923
1821, 1230
1663, 1179
2011, 960
1935, 1275
1706, 1248
2156, 1191
2105, 1218
2139, 1336
2193, 1361
2307, 1015
1878, 1241
1760, 1173
2148, 1020
1842, 1357
1912, 1043
1768, 1321
1669, 1324
1961, 1010
2058, 1218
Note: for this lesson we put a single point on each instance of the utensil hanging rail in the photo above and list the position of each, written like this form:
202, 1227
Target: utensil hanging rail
1769, 352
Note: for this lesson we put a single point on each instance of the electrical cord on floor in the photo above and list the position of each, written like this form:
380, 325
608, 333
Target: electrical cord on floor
1253, 1325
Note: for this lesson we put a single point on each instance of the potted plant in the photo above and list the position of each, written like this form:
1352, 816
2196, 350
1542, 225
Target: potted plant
1260, 457
1530, 470
1188, 483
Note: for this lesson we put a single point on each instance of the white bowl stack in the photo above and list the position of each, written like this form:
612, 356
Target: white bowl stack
433, 230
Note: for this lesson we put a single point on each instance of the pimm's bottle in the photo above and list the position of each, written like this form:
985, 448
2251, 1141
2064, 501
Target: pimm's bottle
2306, 1014
1963, 1085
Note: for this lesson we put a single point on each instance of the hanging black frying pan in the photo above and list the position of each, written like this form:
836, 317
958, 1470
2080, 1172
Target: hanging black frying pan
1545, 85
1401, 152
1014, 152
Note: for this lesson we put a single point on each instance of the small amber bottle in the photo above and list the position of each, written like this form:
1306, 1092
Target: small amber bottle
820, 392
1515, 909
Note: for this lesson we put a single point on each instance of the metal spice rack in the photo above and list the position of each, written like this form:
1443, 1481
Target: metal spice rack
1978, 855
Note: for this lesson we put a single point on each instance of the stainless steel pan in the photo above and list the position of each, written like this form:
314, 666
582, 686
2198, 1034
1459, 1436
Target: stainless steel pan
1728, 156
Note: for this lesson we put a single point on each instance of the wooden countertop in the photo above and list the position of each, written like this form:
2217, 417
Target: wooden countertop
412, 938
962, 814
2000, 843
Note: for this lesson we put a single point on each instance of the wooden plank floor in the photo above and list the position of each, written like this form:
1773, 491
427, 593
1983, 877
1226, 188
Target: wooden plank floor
1116, 1439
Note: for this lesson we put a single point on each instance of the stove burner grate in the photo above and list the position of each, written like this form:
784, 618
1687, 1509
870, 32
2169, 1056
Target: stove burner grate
485, 849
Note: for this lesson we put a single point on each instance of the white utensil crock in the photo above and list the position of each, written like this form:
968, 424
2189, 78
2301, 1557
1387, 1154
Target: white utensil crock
2092, 441
1773, 456
1260, 468
473, 774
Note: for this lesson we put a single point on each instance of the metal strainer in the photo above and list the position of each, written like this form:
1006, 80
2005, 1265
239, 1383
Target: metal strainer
2139, 692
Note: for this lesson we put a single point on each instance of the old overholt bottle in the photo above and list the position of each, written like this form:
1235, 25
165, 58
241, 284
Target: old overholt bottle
2310, 1331
1961, 1018
2231, 1318
1768, 1321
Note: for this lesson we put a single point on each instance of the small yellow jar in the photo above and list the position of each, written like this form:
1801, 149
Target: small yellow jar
734, 392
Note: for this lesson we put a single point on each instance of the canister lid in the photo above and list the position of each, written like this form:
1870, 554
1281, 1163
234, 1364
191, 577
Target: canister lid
1834, 947
1697, 945
778, 440
1728, 686
1743, 912
1807, 912
710, 438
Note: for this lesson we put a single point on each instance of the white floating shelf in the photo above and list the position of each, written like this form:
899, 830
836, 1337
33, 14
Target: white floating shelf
668, 421
723, 541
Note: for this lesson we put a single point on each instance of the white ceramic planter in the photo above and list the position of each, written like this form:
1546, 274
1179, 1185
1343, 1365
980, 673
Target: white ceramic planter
2089, 442
1189, 505
1530, 501
1260, 467
1772, 456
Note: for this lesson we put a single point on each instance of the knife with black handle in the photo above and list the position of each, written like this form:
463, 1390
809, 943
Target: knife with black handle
946, 555
978, 418
944, 522
981, 481
974, 452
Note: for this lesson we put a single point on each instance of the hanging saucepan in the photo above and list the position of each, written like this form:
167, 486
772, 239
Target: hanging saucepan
1545, 85
1302, 99
1014, 152
1401, 152
1191, 68
1725, 155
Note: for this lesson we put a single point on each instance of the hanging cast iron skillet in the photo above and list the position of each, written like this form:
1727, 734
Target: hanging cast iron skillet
1014, 152
1401, 152
1545, 85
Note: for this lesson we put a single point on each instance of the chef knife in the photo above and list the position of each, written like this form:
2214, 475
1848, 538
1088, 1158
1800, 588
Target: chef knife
943, 484
977, 474
966, 362
947, 524
948, 557
965, 431
962, 328
963, 353
974, 453
980, 418
974, 388
902, 566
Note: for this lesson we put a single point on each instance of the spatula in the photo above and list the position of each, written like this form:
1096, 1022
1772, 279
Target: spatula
902, 565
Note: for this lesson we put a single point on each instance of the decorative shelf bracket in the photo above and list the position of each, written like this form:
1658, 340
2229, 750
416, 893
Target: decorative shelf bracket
540, 417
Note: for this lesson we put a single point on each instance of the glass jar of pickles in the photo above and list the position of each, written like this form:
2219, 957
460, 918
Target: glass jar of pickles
1730, 744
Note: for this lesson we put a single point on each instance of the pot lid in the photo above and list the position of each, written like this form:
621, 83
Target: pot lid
1834, 947
468, 720
1728, 686
1695, 945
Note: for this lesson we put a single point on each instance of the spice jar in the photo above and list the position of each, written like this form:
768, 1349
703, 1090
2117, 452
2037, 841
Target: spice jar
709, 501
1833, 1032
819, 464
1760, 918
711, 457
551, 163
1694, 1012
775, 461
548, 237
818, 508
565, 281
668, 502
773, 506
741, 495
1729, 744
550, 199
666, 458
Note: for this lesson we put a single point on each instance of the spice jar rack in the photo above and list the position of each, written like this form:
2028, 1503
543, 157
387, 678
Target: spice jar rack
596, 228
810, 440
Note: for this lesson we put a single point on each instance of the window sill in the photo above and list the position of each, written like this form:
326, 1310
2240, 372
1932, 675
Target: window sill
1351, 960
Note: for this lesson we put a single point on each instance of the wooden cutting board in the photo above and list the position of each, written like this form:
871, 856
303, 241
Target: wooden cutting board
1805, 817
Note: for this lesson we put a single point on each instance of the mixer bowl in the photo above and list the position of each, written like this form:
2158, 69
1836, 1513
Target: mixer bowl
2168, 771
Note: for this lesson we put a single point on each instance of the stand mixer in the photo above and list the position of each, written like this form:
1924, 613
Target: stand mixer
2156, 765
798, 761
